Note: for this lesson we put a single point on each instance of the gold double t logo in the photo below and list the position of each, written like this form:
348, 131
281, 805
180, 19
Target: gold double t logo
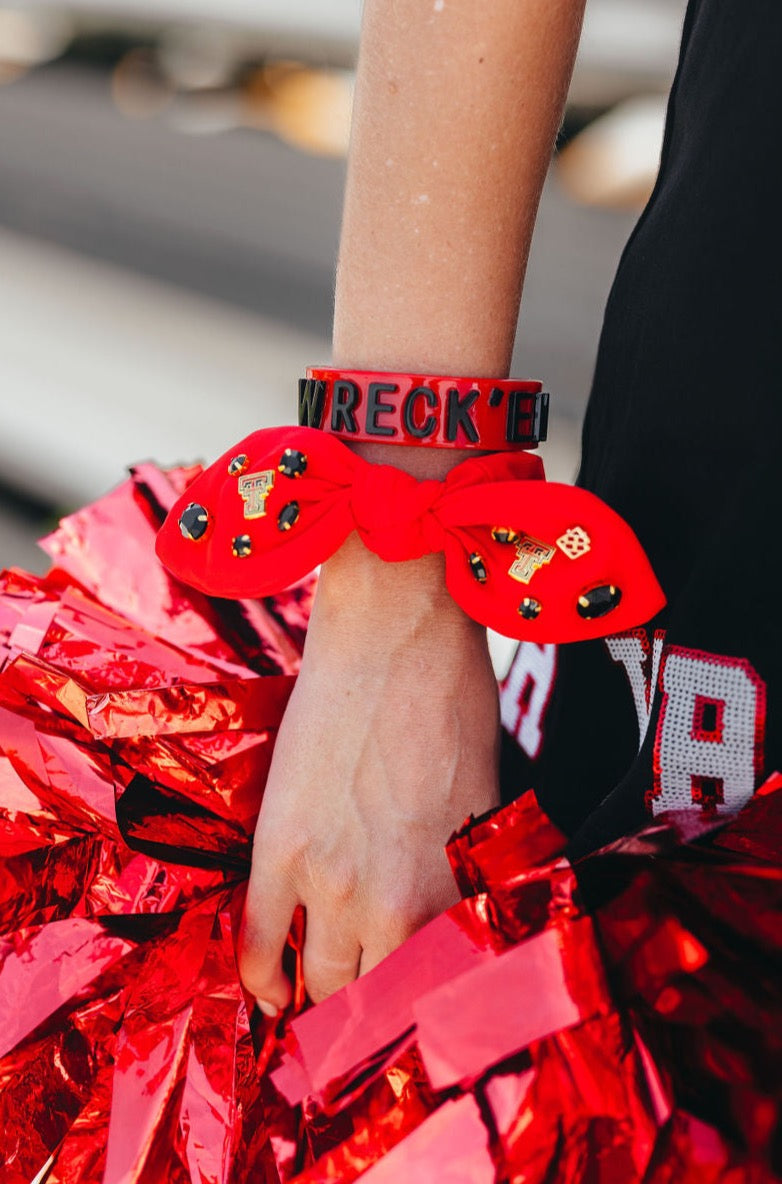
531, 555
254, 488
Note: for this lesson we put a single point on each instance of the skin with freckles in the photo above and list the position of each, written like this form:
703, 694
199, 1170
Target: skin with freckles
390, 738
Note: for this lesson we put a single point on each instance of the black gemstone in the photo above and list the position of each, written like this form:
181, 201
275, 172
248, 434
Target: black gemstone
529, 608
292, 463
193, 521
478, 568
599, 601
242, 546
238, 465
505, 534
287, 516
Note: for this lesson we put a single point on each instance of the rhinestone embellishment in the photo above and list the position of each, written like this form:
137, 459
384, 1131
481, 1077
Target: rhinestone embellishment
529, 608
478, 568
292, 463
598, 601
238, 465
193, 521
288, 516
505, 534
241, 546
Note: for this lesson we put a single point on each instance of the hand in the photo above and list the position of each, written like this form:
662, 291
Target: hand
389, 741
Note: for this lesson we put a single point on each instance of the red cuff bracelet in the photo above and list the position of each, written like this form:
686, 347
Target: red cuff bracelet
492, 414
529, 558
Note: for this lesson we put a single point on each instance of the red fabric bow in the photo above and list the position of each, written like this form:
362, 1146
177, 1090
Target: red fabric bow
532, 559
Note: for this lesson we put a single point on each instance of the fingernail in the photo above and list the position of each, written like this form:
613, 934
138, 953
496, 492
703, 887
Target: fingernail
268, 1009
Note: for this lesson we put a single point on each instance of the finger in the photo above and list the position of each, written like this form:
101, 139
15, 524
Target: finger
388, 932
370, 959
331, 954
266, 921
394, 922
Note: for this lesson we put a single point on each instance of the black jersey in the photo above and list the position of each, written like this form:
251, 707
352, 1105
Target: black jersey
682, 437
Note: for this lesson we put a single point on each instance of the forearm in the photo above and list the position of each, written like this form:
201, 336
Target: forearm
456, 113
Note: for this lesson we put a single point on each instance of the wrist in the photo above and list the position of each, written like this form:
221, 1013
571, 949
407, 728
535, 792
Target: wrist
362, 600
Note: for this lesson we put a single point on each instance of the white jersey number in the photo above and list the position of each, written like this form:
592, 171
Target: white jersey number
708, 748
525, 694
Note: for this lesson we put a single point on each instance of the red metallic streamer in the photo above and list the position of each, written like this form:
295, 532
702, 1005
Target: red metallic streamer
620, 1020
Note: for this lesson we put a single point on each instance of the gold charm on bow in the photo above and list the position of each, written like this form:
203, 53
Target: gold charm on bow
254, 489
531, 555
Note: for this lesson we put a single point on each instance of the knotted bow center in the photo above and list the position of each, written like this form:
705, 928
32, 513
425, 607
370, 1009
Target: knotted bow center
393, 513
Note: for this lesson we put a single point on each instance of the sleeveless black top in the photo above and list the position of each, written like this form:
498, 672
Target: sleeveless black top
682, 436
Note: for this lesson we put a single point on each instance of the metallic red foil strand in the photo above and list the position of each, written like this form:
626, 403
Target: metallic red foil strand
151, 689
250, 705
176, 1057
592, 1094
569, 989
619, 1020
376, 1011
105, 548
454, 1135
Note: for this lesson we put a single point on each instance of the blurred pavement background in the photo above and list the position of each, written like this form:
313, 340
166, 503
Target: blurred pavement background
169, 211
